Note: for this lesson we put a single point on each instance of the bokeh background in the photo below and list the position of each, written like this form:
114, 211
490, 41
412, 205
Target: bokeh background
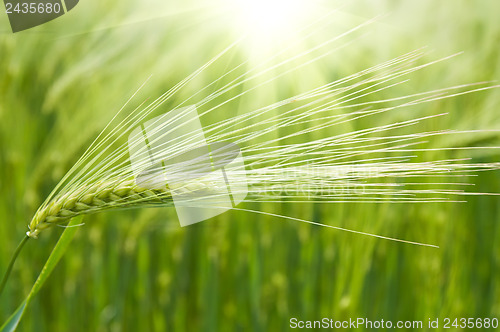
137, 270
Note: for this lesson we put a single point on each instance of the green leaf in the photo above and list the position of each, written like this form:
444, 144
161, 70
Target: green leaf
60, 248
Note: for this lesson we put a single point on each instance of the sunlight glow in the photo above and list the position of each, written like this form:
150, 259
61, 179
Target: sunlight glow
271, 19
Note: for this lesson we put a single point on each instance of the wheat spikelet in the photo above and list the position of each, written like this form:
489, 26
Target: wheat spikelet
104, 195
94, 198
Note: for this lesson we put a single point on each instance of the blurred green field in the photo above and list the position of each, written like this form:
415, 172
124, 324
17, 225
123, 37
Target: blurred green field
138, 270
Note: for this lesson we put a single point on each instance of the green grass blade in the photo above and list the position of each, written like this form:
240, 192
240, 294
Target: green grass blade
11, 324
60, 248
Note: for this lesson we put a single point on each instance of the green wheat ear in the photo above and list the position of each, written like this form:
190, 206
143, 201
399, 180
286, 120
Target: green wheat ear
97, 197
374, 158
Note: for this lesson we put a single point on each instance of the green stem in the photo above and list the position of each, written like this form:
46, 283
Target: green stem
12, 261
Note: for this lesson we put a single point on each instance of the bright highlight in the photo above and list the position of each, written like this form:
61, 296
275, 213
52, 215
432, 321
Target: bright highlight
271, 19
